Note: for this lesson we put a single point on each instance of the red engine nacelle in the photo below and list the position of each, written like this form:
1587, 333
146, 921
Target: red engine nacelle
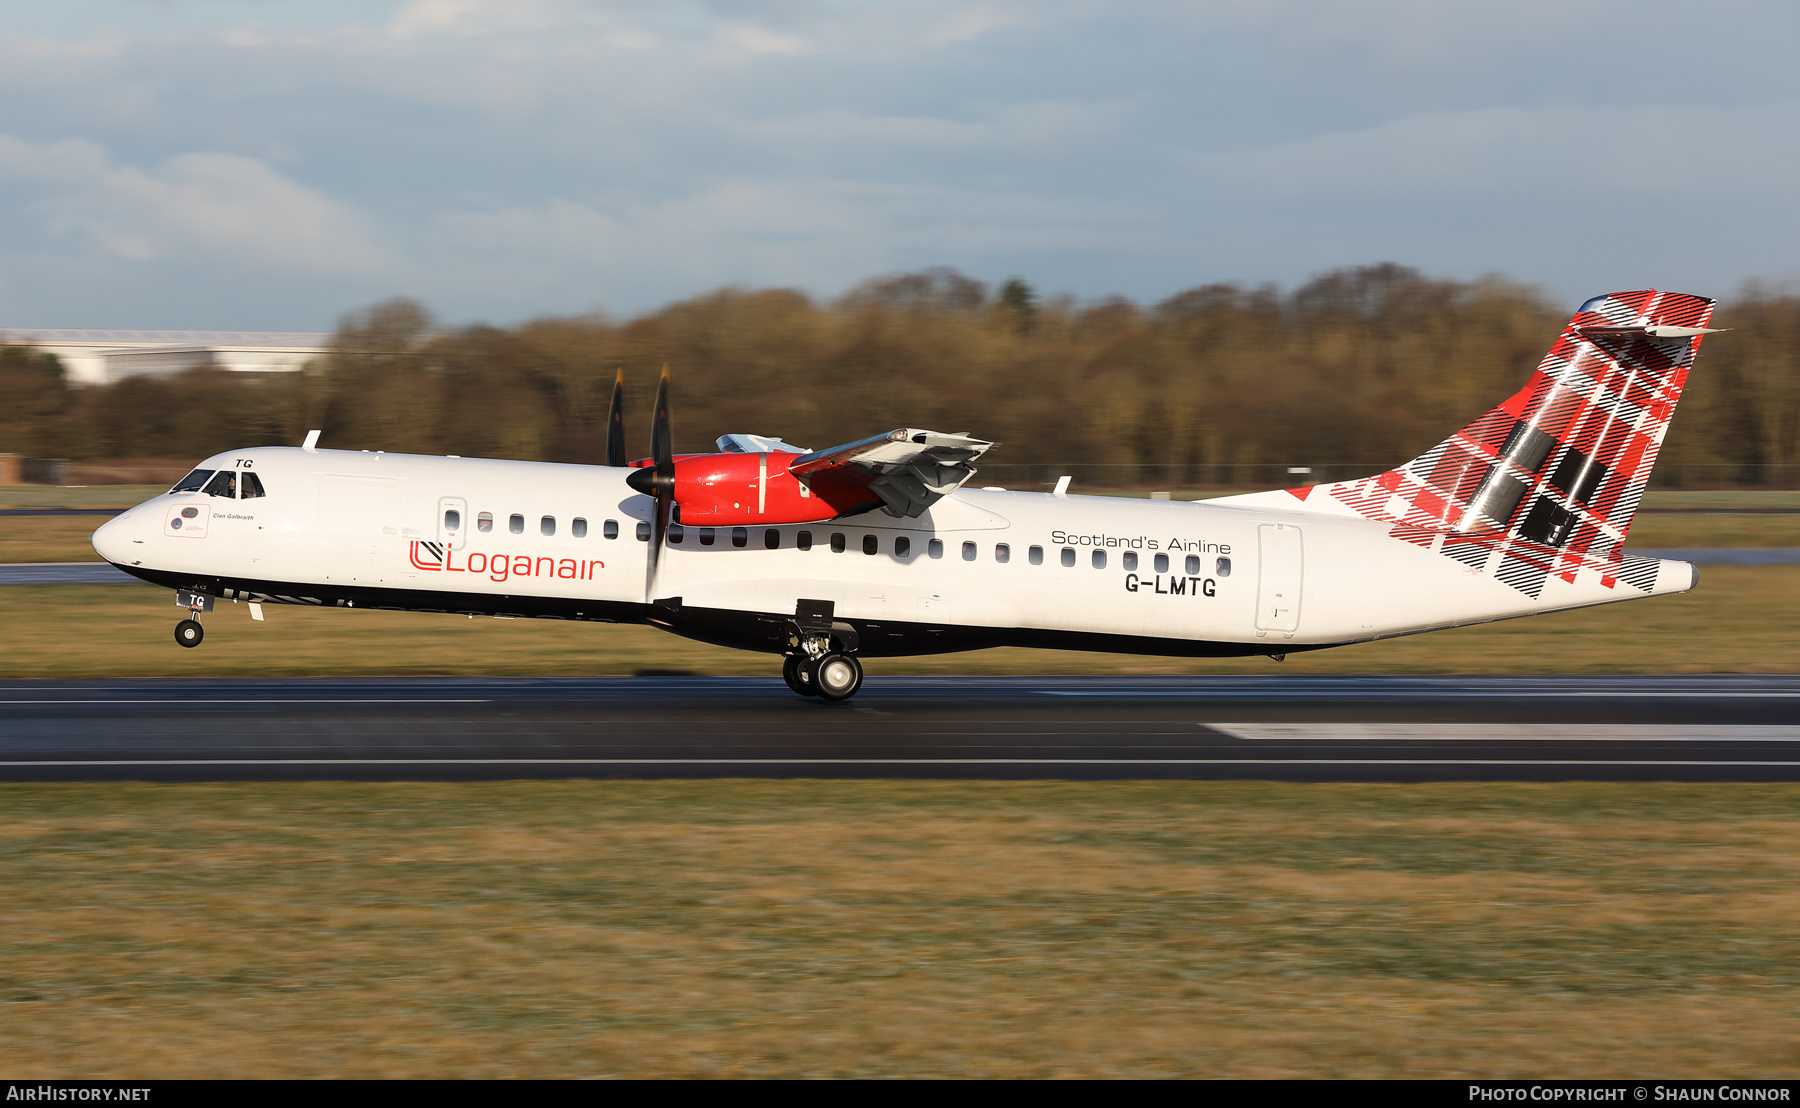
738, 490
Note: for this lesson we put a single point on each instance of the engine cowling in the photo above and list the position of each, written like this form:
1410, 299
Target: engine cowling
737, 490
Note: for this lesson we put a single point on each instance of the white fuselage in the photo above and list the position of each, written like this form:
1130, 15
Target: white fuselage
980, 567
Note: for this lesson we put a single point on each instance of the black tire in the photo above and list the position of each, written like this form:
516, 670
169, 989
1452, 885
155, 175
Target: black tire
838, 676
189, 632
796, 672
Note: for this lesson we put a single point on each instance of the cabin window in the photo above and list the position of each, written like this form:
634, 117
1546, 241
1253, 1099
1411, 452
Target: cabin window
1097, 559
610, 528
1002, 552
643, 530
803, 541
193, 482
578, 527
1222, 567
1035, 555
1161, 562
224, 483
935, 548
968, 551
251, 487
1068, 557
707, 535
740, 537
902, 546
676, 533
547, 526
837, 542
1128, 559
516, 524
772, 539
452, 519
484, 521
871, 544
1193, 565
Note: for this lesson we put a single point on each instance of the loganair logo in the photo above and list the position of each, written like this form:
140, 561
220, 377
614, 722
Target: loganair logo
439, 557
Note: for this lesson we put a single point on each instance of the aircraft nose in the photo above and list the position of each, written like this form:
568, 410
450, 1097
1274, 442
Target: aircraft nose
112, 540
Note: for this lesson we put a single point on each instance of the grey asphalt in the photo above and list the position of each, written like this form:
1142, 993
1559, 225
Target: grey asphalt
1725, 728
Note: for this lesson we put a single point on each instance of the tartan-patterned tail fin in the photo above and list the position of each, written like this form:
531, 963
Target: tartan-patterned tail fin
1565, 461
1549, 480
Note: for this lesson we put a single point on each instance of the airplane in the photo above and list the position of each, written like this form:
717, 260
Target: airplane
880, 548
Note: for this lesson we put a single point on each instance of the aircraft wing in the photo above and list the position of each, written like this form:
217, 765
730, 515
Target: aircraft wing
908, 468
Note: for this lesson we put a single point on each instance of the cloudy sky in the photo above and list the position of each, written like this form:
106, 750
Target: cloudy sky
271, 164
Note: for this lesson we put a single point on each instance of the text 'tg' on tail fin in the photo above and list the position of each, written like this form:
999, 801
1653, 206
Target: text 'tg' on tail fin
1547, 482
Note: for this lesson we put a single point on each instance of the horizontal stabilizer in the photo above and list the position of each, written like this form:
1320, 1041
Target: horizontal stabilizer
1667, 334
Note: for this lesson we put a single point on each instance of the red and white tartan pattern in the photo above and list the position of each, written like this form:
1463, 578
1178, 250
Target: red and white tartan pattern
1604, 398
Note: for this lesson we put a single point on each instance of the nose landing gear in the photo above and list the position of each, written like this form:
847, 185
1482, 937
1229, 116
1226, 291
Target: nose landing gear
189, 632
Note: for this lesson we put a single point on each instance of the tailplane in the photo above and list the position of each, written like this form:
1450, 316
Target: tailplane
1547, 482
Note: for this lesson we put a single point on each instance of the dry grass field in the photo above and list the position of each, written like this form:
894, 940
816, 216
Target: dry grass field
733, 928
1740, 620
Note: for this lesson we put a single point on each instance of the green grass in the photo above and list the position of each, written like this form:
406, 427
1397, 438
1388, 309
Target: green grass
733, 928
1740, 620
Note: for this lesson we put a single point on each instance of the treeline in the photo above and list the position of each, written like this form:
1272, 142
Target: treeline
1365, 366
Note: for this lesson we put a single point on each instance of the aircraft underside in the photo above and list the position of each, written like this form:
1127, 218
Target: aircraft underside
763, 632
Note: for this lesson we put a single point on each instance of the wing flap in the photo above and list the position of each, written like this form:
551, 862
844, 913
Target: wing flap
908, 468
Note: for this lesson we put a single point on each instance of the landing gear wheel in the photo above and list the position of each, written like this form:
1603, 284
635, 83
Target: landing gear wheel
838, 676
189, 632
796, 671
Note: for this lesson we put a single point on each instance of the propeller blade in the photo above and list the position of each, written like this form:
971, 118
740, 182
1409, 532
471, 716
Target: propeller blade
662, 437
658, 480
615, 424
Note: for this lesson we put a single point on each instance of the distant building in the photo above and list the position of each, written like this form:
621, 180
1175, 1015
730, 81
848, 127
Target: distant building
102, 357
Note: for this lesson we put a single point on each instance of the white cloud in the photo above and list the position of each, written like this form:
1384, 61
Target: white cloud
226, 207
1592, 150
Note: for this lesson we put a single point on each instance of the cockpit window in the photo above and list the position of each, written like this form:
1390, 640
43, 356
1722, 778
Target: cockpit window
192, 481
224, 483
251, 485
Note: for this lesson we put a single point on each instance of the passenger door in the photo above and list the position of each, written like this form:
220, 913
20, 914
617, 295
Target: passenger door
359, 529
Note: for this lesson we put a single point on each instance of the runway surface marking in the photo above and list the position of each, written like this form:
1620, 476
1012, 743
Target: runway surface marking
228, 700
677, 761
1412, 693
1505, 732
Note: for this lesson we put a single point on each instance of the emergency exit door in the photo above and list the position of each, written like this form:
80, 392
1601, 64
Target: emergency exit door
1281, 567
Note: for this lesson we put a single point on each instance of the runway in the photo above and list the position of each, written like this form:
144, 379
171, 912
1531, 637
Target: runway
1726, 728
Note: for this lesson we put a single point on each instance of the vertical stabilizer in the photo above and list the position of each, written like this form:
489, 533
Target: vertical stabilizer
1547, 482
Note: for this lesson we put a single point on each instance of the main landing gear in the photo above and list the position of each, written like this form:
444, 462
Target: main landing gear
822, 659
828, 677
